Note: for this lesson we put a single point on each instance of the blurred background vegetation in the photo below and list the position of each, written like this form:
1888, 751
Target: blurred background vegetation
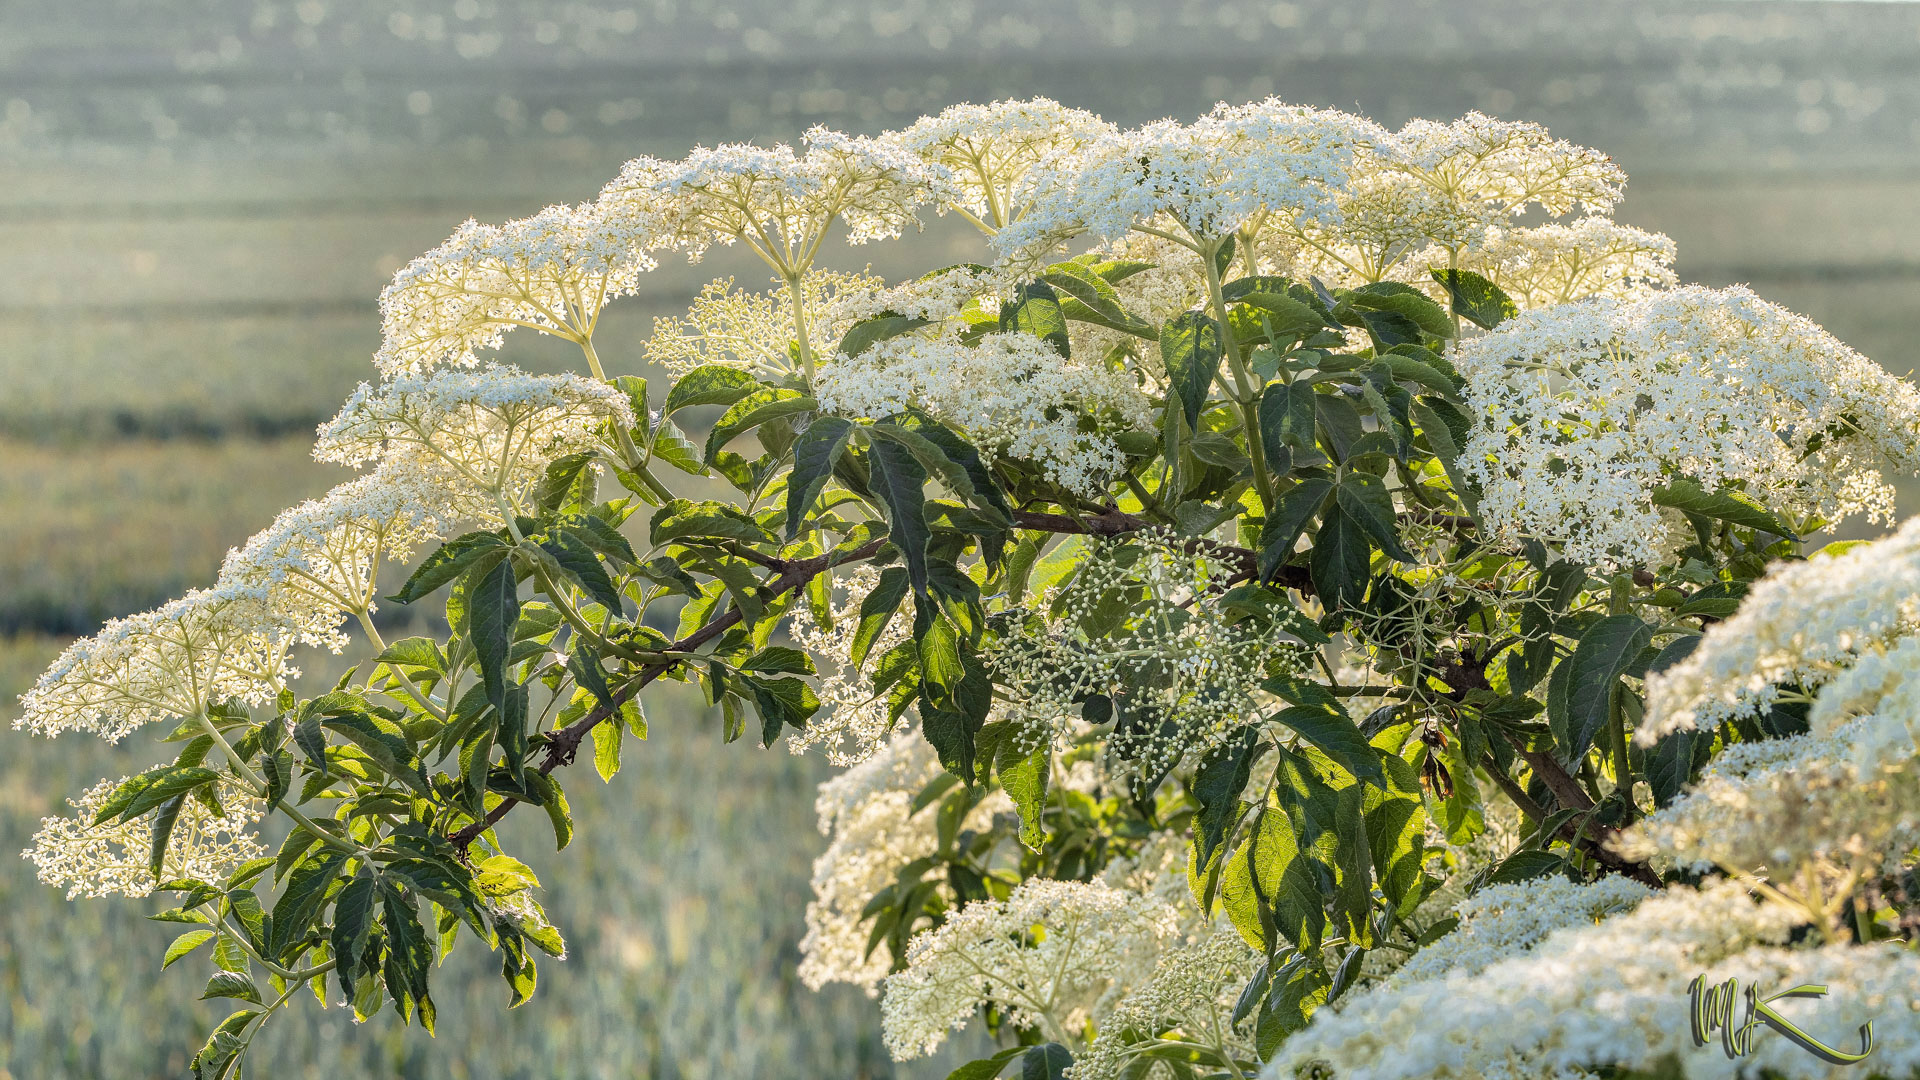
202, 199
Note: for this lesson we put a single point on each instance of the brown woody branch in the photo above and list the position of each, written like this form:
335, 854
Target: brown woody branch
563, 744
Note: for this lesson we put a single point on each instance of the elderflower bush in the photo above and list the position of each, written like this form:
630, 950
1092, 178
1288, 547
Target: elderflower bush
1309, 599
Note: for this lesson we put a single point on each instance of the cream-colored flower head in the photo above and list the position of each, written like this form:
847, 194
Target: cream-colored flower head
111, 859
1233, 167
1050, 955
1803, 623
1615, 994
989, 149
1190, 996
1012, 392
1558, 264
170, 663
1501, 167
867, 813
1583, 410
319, 560
1776, 807
552, 272
487, 435
1502, 921
754, 331
778, 202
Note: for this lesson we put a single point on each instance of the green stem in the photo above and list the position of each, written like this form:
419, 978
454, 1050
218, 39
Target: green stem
800, 327
1242, 380
413, 690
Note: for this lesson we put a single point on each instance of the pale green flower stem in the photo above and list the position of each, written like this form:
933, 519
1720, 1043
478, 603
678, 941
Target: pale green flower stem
413, 690
1242, 380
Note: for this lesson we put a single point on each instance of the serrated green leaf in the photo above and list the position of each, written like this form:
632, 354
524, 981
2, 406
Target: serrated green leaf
709, 384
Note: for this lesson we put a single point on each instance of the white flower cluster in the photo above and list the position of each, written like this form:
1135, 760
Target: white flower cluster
1502, 921
1236, 165
1778, 807
754, 331
175, 661
111, 859
1180, 675
867, 812
1616, 994
1011, 391
852, 723
552, 272
1803, 623
778, 202
491, 433
989, 149
320, 560
1190, 996
942, 298
1558, 264
1050, 954
1585, 409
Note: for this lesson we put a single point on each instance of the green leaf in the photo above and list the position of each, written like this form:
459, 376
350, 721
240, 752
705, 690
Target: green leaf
139, 794
1369, 504
935, 461
1336, 735
414, 652
409, 956
1284, 316
1190, 346
185, 944
782, 702
1406, 301
671, 445
163, 821
1476, 299
709, 384
987, 1068
493, 610
975, 481
753, 410
898, 479
1024, 771
876, 610
1217, 783
568, 479
867, 333
301, 900
1670, 765
1396, 825
584, 663
580, 563
1288, 519
232, 984
682, 519
277, 769
607, 737
1606, 650
1048, 1061
352, 925
1093, 297
1269, 889
1340, 561
381, 740
452, 559
815, 453
1035, 309
1729, 505
1526, 865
